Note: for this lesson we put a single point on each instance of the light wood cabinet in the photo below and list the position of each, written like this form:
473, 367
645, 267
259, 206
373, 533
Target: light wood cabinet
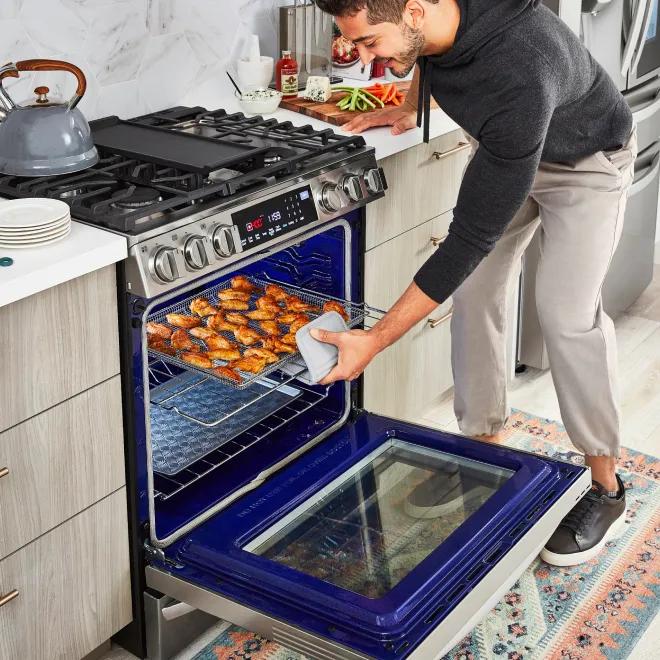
407, 377
56, 344
73, 586
423, 183
59, 463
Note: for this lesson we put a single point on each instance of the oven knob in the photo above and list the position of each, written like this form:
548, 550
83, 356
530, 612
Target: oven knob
195, 253
330, 198
351, 186
223, 241
162, 264
373, 180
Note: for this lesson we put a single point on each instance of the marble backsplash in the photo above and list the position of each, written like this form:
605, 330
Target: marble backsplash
138, 55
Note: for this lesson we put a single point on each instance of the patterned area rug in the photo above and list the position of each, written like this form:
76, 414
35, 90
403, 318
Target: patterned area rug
597, 610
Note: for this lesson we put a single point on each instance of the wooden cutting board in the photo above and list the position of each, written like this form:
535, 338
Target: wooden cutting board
329, 112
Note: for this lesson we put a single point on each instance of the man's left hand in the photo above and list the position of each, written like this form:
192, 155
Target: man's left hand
356, 350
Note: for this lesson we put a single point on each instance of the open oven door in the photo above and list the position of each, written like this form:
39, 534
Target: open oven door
339, 556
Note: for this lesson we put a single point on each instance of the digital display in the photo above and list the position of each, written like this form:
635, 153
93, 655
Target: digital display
275, 216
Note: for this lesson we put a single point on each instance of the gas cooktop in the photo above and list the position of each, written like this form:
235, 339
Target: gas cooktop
163, 166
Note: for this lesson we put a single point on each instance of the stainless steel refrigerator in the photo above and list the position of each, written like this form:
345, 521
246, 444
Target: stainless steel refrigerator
624, 37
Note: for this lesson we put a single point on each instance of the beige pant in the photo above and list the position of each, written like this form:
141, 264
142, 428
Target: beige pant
580, 207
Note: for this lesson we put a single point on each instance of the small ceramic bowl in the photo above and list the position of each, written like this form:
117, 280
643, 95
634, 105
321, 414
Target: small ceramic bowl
260, 101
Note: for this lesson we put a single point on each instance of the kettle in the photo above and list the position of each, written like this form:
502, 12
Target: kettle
44, 137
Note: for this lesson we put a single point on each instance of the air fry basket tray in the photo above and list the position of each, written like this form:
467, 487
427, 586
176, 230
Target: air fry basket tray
356, 314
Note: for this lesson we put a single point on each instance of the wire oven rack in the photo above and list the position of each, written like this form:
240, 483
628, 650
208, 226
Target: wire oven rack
356, 313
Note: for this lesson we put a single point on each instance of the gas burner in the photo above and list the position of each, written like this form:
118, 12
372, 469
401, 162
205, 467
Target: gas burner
135, 197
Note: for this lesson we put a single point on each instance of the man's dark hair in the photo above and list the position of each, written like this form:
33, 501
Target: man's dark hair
378, 11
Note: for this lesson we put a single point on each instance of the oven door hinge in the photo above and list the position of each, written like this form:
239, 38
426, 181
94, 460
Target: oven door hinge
156, 555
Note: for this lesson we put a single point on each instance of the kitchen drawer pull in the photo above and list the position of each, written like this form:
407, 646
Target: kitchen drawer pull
439, 155
436, 241
4, 472
10, 596
434, 323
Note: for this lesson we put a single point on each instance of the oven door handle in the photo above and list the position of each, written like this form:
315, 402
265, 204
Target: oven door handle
634, 37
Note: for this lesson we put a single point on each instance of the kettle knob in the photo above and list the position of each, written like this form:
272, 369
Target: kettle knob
42, 94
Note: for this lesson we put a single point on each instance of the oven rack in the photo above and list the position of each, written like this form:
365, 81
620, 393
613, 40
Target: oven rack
356, 312
167, 486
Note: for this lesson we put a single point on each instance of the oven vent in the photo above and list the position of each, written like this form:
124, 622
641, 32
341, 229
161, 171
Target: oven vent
311, 646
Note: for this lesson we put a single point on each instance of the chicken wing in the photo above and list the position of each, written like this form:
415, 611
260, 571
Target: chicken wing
197, 359
234, 294
242, 283
290, 317
183, 320
246, 336
202, 307
297, 324
264, 353
295, 304
157, 343
219, 342
276, 292
226, 372
203, 333
218, 323
159, 330
334, 306
276, 345
270, 328
266, 302
261, 315
253, 365
226, 354
234, 305
289, 339
181, 341
237, 318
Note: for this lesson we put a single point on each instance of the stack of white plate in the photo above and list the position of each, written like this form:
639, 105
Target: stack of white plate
33, 222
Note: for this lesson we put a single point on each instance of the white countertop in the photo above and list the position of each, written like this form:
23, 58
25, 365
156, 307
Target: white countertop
83, 251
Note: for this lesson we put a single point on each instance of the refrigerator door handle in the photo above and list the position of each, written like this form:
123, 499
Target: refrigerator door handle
635, 36
646, 111
648, 14
647, 178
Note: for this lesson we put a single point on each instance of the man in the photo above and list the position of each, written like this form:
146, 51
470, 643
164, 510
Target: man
555, 139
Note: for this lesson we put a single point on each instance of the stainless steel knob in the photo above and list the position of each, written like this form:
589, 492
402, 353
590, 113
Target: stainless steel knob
223, 241
351, 186
162, 264
194, 252
330, 198
373, 180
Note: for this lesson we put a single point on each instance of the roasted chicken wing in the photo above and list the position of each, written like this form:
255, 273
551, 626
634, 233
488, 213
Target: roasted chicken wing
197, 359
266, 302
159, 330
264, 353
261, 315
183, 320
218, 323
226, 372
157, 343
202, 307
290, 317
218, 342
289, 339
237, 318
334, 306
242, 283
234, 305
295, 304
297, 324
253, 365
226, 354
270, 328
276, 292
246, 336
203, 333
181, 341
276, 345
234, 294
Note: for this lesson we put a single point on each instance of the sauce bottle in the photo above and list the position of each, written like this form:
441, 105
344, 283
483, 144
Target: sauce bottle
286, 75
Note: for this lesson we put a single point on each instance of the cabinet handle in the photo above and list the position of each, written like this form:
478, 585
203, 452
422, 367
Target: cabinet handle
4, 472
434, 323
8, 597
461, 146
436, 241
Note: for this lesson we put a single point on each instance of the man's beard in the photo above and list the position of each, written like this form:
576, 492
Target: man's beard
408, 58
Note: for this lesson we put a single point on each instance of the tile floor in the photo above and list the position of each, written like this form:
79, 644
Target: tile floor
638, 332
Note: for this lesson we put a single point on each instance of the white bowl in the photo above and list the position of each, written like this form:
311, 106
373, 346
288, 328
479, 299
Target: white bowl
255, 75
260, 106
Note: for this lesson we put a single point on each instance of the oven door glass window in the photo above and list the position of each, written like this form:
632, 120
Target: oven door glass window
650, 58
372, 526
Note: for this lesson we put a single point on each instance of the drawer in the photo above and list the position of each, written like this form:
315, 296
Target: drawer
56, 344
73, 586
423, 183
60, 462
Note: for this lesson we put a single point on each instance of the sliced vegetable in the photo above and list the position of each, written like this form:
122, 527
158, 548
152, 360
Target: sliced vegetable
364, 99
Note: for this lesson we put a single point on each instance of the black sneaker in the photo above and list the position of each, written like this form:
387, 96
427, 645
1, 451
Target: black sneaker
443, 493
593, 521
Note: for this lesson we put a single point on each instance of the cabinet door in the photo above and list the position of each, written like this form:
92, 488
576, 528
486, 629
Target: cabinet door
68, 591
57, 343
423, 183
60, 462
405, 379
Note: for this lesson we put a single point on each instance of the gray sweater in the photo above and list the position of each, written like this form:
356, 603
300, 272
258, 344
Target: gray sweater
521, 83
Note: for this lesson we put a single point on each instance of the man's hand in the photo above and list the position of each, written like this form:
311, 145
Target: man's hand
401, 119
357, 348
